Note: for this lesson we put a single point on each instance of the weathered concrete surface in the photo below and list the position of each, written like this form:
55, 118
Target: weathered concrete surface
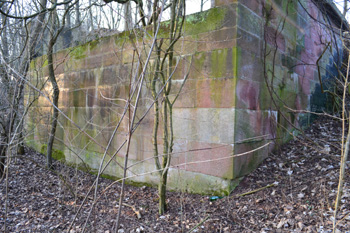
224, 109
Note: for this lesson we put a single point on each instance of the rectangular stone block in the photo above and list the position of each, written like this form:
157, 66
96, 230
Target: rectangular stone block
208, 96
249, 21
248, 94
206, 158
106, 96
253, 129
246, 161
219, 39
249, 42
208, 125
110, 58
108, 76
201, 66
94, 62
249, 66
222, 63
186, 45
182, 67
254, 5
124, 73
210, 20
100, 46
186, 97
82, 79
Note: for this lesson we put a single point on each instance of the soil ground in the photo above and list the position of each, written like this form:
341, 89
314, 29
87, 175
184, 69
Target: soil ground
300, 188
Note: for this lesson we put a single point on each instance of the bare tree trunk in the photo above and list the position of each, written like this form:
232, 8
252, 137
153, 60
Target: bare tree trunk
34, 38
55, 97
156, 105
149, 8
128, 16
6, 85
345, 146
3, 143
162, 192
67, 33
56, 91
4, 35
77, 11
11, 120
68, 23
136, 14
35, 34
91, 17
165, 157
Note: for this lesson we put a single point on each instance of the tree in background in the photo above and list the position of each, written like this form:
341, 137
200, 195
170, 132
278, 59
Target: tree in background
18, 47
57, 25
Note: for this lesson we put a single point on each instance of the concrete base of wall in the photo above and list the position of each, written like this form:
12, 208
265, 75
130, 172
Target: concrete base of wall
145, 173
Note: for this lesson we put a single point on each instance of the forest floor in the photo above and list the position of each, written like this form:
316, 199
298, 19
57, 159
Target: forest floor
301, 198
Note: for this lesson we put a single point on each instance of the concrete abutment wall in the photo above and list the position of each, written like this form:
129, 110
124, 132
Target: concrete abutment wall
224, 109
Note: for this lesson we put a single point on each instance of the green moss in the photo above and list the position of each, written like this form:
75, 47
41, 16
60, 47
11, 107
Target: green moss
204, 21
222, 192
76, 119
290, 31
56, 154
79, 52
81, 166
286, 93
282, 86
39, 62
139, 184
289, 62
90, 146
93, 44
79, 97
214, 93
265, 102
122, 38
268, 3
291, 6
218, 62
199, 60
163, 30
32, 65
299, 46
32, 144
111, 177
195, 185
45, 63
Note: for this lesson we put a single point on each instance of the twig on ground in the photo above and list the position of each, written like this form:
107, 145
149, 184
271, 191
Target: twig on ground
195, 227
256, 190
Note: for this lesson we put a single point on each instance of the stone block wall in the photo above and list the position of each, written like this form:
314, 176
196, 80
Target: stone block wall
238, 54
